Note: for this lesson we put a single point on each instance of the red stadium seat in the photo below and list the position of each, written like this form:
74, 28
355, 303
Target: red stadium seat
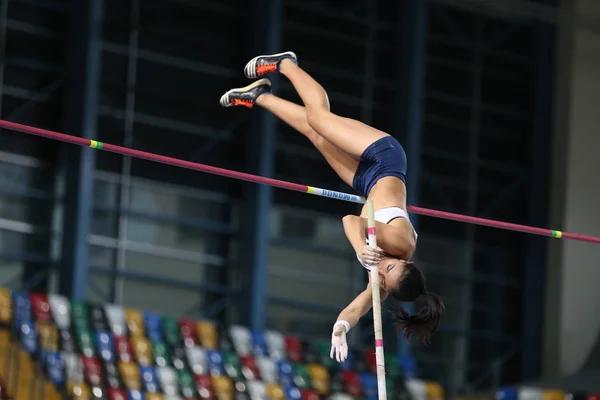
352, 384
309, 394
93, 370
370, 360
123, 348
293, 349
204, 385
188, 333
249, 368
40, 307
117, 394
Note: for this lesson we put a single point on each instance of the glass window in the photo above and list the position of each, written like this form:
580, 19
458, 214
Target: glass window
105, 193
105, 223
102, 256
19, 178
34, 211
300, 322
160, 266
144, 230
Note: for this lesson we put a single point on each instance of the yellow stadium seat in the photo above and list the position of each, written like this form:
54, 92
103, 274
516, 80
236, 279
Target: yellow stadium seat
130, 373
553, 395
5, 307
80, 391
142, 349
223, 387
155, 396
434, 391
319, 378
207, 332
135, 322
275, 392
48, 335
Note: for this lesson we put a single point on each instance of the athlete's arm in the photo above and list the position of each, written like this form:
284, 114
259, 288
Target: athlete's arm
390, 239
360, 305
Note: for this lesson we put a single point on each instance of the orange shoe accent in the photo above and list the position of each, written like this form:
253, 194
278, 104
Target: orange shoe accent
245, 103
265, 68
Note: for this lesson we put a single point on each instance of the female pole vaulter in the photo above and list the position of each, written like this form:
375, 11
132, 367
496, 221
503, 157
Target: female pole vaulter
374, 164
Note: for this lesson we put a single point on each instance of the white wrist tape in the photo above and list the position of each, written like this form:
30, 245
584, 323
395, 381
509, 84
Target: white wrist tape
342, 322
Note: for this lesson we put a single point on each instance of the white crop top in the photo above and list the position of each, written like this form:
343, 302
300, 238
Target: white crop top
385, 216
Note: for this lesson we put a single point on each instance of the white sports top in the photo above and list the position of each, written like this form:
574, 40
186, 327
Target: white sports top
385, 215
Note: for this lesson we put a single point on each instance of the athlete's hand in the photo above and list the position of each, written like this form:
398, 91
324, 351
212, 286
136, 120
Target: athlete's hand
371, 256
339, 347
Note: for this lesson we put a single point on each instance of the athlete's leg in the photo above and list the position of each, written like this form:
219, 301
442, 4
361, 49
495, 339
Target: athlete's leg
350, 135
295, 116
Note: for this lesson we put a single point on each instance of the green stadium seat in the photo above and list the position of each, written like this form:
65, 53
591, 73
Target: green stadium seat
161, 354
171, 331
323, 350
301, 376
79, 314
84, 340
232, 365
187, 386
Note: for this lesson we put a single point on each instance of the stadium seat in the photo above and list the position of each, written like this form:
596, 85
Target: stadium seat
292, 392
79, 314
149, 379
130, 374
352, 383
293, 347
117, 394
54, 368
324, 350
240, 390
92, 369
310, 354
507, 393
301, 377
417, 389
111, 372
135, 322
593, 396
369, 385
5, 308
576, 395
188, 333
73, 367
105, 346
21, 308
232, 365
530, 393
179, 357
80, 391
155, 396
223, 387
341, 396
259, 344
123, 348
392, 367
142, 350
60, 311
66, 343
135, 395
207, 332
309, 394
161, 354
553, 395
40, 307
241, 338
274, 392
267, 369
84, 341
250, 368
435, 391
171, 331
198, 360
319, 378
153, 325
97, 318
48, 335
285, 373
115, 316
204, 386
370, 360
29, 337
215, 363
167, 378
187, 386
256, 389
275, 345
225, 341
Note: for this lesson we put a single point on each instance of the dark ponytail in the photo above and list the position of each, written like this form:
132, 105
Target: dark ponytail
430, 307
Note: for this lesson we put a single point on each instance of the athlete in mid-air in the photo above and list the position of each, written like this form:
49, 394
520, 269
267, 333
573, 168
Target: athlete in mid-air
374, 164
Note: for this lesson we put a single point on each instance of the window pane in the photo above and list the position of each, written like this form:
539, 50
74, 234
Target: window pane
15, 242
299, 322
105, 223
157, 200
9, 271
150, 264
33, 211
20, 178
171, 235
105, 193
102, 256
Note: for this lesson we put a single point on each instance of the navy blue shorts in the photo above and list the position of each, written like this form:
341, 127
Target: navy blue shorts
385, 157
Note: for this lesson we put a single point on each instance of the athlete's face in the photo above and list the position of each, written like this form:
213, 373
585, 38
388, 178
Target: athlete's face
390, 273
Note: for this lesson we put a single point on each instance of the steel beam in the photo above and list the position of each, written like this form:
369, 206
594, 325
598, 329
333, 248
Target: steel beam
411, 94
539, 190
78, 164
260, 153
